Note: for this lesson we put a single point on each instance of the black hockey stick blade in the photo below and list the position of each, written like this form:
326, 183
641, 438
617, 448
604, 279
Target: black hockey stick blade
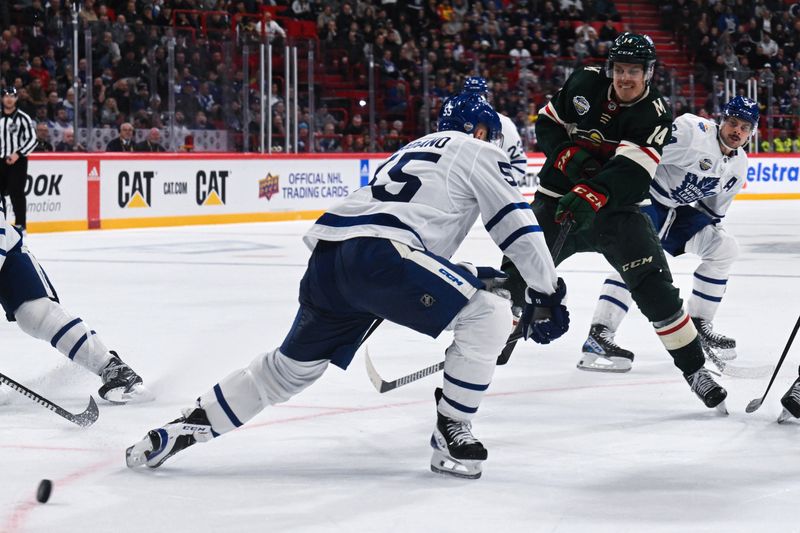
385, 386
561, 238
84, 419
754, 404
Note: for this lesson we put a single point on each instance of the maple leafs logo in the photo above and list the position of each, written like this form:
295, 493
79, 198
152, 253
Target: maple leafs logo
693, 188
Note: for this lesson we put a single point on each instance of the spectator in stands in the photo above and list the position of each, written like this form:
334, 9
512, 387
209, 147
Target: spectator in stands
329, 140
766, 49
152, 142
356, 126
68, 143
608, 33
123, 143
61, 122
109, 115
43, 138
275, 34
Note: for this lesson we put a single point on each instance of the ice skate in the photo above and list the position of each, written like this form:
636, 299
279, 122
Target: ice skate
704, 386
456, 451
723, 347
162, 443
791, 403
121, 384
602, 354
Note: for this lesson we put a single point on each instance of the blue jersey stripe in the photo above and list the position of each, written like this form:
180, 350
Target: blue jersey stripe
614, 301
377, 219
616, 283
517, 234
711, 280
63, 331
706, 296
465, 384
660, 190
460, 406
503, 212
225, 407
77, 346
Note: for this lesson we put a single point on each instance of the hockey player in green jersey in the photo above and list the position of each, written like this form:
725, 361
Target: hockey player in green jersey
603, 134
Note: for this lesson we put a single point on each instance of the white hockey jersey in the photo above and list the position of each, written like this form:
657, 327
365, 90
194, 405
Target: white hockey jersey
430, 193
512, 144
9, 237
693, 169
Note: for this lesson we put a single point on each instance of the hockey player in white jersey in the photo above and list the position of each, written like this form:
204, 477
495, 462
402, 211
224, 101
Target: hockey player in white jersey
511, 141
702, 168
384, 252
29, 299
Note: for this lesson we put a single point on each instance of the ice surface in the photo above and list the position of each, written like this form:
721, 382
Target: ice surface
568, 450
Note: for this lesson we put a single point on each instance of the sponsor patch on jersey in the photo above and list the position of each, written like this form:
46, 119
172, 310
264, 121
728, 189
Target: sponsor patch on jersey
581, 105
705, 164
702, 127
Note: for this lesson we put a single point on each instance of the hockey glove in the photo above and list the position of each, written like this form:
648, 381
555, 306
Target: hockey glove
577, 164
491, 277
545, 317
580, 204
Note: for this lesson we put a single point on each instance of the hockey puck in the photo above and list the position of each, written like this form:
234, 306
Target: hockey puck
43, 493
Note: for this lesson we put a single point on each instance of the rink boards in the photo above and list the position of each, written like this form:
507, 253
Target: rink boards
104, 191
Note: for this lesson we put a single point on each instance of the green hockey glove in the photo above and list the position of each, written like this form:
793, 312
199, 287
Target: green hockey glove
577, 164
580, 204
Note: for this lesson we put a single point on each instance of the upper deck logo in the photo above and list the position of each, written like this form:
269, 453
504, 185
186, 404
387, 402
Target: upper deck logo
269, 186
134, 190
211, 187
581, 105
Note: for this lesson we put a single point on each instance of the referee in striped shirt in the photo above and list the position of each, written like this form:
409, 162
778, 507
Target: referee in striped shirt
17, 140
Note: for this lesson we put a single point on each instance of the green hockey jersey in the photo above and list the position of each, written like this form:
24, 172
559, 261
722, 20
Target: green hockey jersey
627, 139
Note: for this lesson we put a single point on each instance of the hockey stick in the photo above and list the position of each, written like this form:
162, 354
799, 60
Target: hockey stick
753, 406
84, 419
727, 369
385, 386
516, 335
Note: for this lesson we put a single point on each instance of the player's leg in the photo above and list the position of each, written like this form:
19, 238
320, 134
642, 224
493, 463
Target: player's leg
791, 402
640, 260
600, 352
429, 294
718, 250
29, 298
16, 175
325, 328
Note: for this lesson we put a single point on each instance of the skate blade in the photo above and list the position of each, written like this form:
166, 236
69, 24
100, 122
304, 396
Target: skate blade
722, 408
785, 416
138, 394
461, 468
598, 363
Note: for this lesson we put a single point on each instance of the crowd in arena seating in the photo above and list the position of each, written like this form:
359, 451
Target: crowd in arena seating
525, 48
746, 39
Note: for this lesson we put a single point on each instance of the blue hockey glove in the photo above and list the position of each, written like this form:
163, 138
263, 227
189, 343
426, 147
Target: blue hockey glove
545, 318
491, 277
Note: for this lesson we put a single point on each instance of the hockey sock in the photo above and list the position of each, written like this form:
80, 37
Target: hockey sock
46, 320
679, 337
480, 332
269, 379
613, 304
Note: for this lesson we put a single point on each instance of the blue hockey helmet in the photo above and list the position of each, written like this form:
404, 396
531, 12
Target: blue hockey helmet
742, 108
476, 85
465, 112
